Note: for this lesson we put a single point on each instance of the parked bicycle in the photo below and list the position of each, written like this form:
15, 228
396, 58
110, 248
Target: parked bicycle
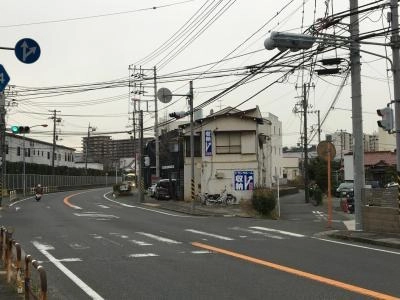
210, 199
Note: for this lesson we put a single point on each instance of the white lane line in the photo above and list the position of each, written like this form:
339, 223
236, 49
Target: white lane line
201, 252
159, 238
140, 255
357, 246
144, 208
44, 250
140, 243
278, 231
269, 235
103, 206
221, 237
96, 215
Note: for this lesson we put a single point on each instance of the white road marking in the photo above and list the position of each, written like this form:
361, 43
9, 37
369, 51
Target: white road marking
201, 252
99, 237
70, 259
357, 246
221, 237
159, 238
140, 243
103, 206
44, 250
96, 215
278, 231
140, 255
258, 232
144, 208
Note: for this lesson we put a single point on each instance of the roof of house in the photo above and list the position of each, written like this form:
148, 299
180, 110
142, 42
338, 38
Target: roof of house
378, 157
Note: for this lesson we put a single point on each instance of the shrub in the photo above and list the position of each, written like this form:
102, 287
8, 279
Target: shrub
263, 200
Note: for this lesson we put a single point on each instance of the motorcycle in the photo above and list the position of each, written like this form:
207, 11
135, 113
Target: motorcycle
38, 197
350, 202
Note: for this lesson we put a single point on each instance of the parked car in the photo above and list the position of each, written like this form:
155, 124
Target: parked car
152, 189
391, 185
165, 189
343, 188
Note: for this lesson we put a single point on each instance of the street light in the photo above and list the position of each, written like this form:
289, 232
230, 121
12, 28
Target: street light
23, 157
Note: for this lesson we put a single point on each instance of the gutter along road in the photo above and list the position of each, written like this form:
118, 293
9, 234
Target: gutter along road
94, 246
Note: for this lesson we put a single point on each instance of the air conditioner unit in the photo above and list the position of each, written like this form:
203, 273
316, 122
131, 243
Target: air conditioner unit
219, 175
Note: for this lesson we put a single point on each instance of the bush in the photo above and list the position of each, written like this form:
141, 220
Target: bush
263, 200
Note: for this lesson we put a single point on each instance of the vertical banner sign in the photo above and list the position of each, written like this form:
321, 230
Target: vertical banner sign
244, 180
207, 143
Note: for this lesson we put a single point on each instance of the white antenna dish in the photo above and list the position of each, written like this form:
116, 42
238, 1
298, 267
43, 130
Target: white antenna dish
164, 95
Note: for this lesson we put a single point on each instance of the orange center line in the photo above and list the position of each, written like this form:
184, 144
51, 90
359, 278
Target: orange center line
328, 281
66, 200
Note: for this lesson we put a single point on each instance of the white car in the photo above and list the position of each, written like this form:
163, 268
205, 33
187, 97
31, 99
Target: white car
152, 189
391, 184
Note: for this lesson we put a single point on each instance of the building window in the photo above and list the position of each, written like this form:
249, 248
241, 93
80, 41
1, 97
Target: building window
48, 155
18, 151
227, 142
29, 152
6, 148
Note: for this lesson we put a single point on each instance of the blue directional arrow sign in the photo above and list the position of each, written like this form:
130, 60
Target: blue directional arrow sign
27, 50
4, 78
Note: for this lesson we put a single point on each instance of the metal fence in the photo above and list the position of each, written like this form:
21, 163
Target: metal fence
56, 182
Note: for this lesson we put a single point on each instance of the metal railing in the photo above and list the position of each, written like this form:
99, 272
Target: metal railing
56, 182
33, 284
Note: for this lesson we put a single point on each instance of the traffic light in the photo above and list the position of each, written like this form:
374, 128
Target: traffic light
178, 114
20, 129
387, 118
292, 41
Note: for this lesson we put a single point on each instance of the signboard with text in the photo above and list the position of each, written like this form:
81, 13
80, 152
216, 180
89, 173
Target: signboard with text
207, 143
244, 180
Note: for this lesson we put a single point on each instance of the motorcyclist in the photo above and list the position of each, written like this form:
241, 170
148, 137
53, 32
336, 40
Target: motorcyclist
39, 189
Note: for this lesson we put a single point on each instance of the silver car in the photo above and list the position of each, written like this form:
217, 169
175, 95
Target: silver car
152, 189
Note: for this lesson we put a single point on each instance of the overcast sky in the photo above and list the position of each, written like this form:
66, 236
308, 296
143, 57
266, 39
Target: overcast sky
87, 42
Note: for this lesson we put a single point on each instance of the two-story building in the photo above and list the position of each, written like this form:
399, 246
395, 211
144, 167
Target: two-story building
37, 152
238, 150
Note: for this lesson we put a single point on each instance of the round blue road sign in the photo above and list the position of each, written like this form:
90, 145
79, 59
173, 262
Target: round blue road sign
27, 51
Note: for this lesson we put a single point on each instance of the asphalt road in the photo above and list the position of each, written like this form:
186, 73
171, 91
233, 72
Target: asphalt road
96, 247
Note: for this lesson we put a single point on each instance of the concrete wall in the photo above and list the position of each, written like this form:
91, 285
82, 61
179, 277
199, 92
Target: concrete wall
380, 219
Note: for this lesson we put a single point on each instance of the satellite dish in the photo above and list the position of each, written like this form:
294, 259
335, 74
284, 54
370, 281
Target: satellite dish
164, 95
326, 150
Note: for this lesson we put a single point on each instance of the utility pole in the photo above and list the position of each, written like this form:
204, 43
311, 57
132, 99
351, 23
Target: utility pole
319, 127
2, 143
358, 153
141, 183
156, 126
55, 120
396, 80
305, 143
191, 144
90, 129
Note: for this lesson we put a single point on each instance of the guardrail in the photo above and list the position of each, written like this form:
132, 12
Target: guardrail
13, 195
21, 275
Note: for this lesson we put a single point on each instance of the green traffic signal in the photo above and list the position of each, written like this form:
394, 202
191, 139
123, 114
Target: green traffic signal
20, 129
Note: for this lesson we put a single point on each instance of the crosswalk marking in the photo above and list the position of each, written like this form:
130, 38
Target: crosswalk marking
278, 231
221, 237
258, 233
159, 238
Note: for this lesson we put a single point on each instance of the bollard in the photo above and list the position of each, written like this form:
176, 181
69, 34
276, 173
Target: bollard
27, 276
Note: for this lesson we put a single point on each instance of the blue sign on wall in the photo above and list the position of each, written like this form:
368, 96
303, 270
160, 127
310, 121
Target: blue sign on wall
244, 180
4, 78
207, 143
